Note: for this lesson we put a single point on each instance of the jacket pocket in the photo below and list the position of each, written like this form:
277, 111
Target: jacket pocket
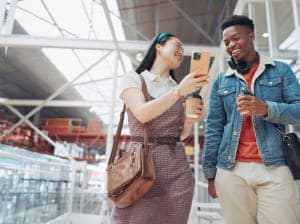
271, 89
228, 95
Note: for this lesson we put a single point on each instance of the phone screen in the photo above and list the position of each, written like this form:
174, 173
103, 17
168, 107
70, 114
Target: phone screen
200, 62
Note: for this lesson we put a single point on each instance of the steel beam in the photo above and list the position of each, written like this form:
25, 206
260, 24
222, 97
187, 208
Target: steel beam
133, 28
239, 7
10, 17
30, 124
53, 103
60, 30
192, 22
21, 41
45, 21
110, 134
2, 13
273, 46
113, 33
297, 23
95, 80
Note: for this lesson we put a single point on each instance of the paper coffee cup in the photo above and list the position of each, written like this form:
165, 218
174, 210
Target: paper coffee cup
191, 103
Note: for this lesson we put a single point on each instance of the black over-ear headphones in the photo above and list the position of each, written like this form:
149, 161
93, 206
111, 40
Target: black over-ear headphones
242, 67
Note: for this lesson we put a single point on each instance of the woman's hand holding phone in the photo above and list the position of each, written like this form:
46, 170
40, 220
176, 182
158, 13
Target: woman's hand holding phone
192, 83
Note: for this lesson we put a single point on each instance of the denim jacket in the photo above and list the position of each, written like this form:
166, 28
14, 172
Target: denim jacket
274, 83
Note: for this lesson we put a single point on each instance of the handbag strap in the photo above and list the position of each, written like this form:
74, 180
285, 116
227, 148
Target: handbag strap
120, 126
283, 134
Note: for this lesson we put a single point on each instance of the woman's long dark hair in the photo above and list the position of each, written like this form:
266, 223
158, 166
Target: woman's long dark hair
150, 56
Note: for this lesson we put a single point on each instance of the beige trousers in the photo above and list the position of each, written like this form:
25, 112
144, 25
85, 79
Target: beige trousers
251, 193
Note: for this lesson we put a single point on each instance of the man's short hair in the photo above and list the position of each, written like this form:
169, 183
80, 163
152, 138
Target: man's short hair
238, 20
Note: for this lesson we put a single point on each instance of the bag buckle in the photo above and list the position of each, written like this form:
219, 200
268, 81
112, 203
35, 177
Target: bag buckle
132, 159
156, 141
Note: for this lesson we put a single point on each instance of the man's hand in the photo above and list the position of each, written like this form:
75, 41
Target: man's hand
250, 105
212, 189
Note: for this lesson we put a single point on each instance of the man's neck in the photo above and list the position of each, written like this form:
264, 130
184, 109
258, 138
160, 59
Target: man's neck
253, 57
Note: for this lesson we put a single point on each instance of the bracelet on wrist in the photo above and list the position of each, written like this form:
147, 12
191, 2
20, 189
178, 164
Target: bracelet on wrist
177, 91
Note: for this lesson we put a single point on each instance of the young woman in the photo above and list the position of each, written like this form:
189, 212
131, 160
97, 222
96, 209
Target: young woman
170, 198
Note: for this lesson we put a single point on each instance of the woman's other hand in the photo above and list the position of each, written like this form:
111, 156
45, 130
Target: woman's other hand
189, 122
198, 111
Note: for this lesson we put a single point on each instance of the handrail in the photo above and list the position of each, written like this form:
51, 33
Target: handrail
27, 158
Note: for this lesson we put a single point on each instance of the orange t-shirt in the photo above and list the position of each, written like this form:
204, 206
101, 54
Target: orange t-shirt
247, 149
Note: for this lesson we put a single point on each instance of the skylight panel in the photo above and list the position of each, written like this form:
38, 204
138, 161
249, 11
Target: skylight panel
79, 19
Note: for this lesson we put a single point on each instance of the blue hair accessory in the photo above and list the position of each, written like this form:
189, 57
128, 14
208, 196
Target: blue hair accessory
162, 36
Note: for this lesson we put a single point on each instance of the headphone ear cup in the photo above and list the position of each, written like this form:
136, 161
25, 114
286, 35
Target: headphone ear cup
231, 63
243, 67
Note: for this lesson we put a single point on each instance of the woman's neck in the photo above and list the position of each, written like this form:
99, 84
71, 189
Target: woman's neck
160, 69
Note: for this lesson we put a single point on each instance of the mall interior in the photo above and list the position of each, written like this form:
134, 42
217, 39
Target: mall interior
61, 63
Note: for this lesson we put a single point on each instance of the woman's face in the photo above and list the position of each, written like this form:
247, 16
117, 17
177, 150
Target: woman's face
171, 52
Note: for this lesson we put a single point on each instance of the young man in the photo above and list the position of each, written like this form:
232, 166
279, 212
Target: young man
243, 158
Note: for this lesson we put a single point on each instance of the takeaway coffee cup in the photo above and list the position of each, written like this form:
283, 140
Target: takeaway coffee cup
191, 102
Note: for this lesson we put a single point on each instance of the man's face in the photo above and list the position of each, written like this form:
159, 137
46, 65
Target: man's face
238, 42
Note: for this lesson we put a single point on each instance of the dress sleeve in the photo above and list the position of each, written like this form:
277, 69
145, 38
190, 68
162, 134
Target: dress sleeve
130, 80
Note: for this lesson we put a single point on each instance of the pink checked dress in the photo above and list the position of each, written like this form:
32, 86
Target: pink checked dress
169, 200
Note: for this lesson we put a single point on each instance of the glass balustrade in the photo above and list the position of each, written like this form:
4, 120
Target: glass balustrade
33, 187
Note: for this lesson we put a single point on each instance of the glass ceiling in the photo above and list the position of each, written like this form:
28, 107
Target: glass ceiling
83, 19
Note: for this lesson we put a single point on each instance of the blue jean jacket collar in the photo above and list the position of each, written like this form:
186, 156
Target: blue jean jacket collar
264, 60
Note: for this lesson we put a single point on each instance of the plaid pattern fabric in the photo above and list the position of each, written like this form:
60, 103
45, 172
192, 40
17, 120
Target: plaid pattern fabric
170, 198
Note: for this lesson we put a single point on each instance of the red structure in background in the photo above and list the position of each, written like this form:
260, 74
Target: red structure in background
71, 130
22, 136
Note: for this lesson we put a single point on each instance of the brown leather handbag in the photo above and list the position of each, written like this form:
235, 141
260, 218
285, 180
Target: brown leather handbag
132, 174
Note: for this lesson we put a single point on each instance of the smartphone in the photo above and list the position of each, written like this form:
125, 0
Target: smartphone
245, 91
200, 62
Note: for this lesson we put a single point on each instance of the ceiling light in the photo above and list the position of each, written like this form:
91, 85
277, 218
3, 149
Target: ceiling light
265, 35
139, 57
